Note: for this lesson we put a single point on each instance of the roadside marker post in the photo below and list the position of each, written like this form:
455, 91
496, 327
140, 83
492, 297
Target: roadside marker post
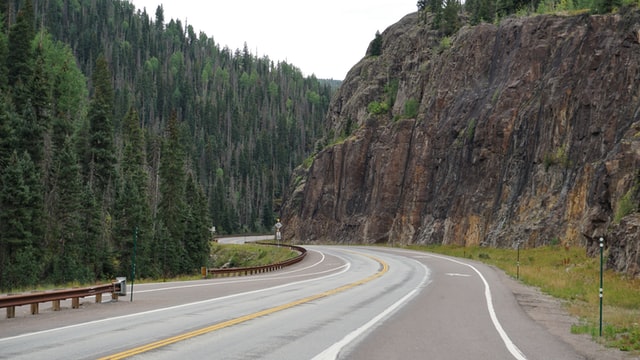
278, 234
133, 262
601, 279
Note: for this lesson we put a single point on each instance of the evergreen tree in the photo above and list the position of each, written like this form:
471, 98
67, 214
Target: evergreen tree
451, 18
605, 6
268, 218
101, 147
132, 205
375, 48
171, 210
8, 135
96, 250
505, 7
20, 201
197, 227
20, 53
37, 118
68, 261
4, 54
435, 6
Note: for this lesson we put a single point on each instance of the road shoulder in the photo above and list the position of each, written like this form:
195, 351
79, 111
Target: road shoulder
550, 313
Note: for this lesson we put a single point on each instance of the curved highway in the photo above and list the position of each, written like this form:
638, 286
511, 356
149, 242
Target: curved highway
339, 303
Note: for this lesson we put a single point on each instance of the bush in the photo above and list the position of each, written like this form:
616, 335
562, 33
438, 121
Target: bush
411, 109
625, 206
378, 108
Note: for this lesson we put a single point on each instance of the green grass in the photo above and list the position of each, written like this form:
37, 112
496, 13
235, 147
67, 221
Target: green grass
235, 255
246, 255
570, 275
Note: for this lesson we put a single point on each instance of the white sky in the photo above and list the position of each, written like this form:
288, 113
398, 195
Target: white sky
325, 38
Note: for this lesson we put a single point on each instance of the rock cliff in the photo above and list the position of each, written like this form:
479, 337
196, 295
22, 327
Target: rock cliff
527, 131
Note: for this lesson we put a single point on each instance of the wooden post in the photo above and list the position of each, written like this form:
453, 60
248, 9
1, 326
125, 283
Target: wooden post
98, 298
75, 303
34, 309
11, 312
55, 304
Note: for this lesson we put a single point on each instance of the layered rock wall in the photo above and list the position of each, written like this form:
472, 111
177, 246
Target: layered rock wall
525, 132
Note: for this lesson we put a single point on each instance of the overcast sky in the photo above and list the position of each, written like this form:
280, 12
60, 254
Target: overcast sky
325, 38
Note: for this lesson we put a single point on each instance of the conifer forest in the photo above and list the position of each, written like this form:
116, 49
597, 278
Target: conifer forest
125, 134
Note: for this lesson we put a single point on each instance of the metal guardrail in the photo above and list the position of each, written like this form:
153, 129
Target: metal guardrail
35, 298
240, 271
119, 287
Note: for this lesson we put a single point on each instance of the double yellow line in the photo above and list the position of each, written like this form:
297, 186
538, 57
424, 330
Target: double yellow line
222, 325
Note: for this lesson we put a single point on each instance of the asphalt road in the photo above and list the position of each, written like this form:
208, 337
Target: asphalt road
339, 303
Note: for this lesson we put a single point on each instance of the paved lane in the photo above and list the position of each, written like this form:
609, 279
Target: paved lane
317, 301
340, 302
465, 312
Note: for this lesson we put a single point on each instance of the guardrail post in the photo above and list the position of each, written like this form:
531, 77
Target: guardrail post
11, 312
75, 303
98, 298
55, 305
34, 308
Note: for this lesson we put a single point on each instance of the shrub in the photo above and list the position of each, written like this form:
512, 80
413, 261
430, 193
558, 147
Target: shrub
471, 129
411, 109
378, 108
625, 206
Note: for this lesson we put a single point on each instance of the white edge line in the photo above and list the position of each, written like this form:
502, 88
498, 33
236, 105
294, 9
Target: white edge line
513, 349
333, 351
345, 268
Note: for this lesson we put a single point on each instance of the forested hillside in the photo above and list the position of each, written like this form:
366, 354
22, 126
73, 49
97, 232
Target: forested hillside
121, 130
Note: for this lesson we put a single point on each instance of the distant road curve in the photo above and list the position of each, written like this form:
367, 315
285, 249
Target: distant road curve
244, 239
339, 303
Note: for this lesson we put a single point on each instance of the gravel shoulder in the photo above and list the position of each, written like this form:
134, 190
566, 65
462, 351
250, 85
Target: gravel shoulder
550, 313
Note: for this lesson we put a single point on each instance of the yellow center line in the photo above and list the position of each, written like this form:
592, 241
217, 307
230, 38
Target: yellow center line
222, 325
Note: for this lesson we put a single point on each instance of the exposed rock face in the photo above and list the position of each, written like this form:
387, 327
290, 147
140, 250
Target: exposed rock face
525, 132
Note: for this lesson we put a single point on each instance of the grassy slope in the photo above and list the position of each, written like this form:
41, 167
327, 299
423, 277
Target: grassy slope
245, 255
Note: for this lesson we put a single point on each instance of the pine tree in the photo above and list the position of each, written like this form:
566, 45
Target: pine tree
375, 48
197, 227
171, 211
133, 212
37, 118
20, 201
605, 6
68, 261
8, 134
20, 54
451, 19
4, 54
96, 250
101, 147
